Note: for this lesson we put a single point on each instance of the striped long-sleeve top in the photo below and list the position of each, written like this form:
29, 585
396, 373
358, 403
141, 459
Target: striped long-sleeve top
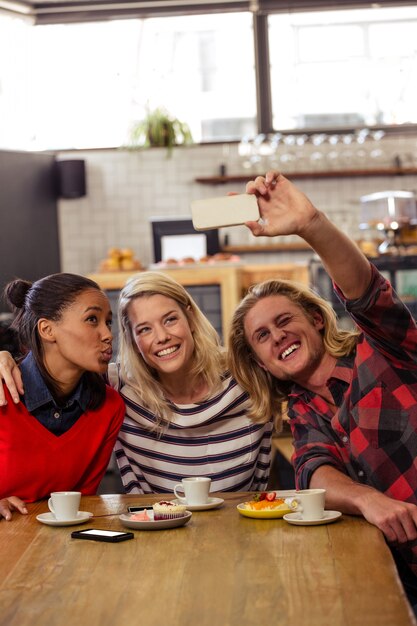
212, 438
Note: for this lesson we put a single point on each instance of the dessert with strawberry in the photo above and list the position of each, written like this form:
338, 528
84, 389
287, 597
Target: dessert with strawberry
268, 501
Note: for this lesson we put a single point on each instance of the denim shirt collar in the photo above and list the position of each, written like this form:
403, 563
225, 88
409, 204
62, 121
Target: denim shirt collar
37, 393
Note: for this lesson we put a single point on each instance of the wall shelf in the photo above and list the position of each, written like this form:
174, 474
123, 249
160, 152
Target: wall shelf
243, 178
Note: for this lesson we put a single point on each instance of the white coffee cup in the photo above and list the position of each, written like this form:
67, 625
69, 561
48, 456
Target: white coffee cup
195, 490
64, 505
311, 503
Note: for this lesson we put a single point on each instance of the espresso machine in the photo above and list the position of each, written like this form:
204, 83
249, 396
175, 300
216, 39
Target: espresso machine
393, 216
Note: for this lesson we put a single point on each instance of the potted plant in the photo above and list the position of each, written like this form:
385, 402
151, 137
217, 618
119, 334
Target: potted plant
159, 128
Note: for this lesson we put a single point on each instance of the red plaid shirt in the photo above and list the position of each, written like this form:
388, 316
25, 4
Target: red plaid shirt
372, 437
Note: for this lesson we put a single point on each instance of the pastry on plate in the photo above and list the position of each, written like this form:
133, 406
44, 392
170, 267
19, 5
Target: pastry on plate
168, 510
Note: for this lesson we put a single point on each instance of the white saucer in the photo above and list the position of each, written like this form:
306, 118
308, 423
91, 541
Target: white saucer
49, 519
212, 503
295, 518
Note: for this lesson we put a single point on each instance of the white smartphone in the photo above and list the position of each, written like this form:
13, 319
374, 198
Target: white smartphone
224, 211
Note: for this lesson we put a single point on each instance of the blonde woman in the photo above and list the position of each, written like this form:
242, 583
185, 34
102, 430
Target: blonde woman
185, 414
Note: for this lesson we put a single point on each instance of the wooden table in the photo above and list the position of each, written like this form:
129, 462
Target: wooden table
219, 570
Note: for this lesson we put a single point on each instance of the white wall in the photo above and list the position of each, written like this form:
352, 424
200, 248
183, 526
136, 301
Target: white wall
125, 188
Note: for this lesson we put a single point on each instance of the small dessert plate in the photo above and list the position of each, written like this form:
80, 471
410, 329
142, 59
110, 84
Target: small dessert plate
161, 524
295, 518
213, 503
50, 520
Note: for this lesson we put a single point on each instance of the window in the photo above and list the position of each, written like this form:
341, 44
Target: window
83, 85
15, 114
81, 78
344, 68
200, 68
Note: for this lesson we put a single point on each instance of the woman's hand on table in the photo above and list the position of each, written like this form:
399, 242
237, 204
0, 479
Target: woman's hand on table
8, 505
11, 376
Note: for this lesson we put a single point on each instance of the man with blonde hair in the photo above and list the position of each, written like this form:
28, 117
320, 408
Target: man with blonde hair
352, 395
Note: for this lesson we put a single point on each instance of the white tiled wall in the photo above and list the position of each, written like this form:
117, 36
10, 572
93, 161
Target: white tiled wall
126, 188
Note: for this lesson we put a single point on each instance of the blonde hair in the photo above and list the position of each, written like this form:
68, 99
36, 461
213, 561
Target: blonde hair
209, 357
266, 393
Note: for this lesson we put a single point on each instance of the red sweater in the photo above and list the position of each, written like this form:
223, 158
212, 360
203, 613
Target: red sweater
34, 462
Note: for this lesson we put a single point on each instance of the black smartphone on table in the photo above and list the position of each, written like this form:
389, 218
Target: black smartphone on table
95, 534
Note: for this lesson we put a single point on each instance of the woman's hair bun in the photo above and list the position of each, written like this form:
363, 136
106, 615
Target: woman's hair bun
16, 292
